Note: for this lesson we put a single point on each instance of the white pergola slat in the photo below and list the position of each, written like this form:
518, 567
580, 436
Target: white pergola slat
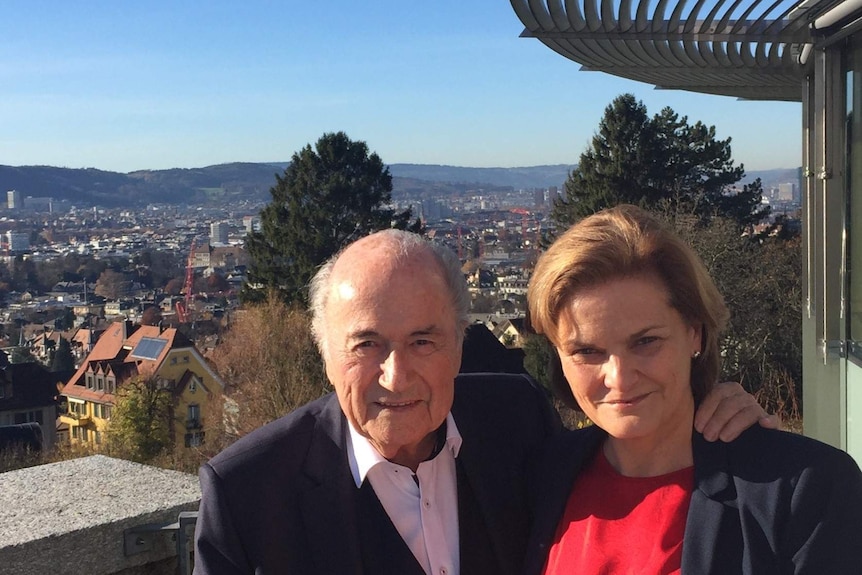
743, 48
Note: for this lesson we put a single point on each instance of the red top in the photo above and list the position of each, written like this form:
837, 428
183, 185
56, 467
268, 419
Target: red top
622, 525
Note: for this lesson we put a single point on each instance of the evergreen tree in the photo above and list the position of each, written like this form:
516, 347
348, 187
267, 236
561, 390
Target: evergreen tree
659, 162
21, 354
63, 360
327, 197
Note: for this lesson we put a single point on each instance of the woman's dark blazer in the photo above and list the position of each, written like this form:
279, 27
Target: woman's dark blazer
769, 502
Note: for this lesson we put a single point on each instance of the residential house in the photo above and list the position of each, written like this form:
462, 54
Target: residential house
125, 351
510, 332
46, 342
84, 340
482, 352
29, 393
86, 310
123, 307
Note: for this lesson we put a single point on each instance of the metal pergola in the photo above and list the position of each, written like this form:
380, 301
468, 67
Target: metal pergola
750, 49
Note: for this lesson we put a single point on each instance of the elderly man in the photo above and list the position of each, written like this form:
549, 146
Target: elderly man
407, 468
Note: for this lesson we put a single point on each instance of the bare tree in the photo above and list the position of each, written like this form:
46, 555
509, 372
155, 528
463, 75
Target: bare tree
112, 285
269, 363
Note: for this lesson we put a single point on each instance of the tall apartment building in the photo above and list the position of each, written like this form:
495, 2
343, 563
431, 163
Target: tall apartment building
218, 233
18, 241
39, 204
14, 200
538, 197
787, 192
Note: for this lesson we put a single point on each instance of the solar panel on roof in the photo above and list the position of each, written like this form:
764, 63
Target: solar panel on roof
149, 348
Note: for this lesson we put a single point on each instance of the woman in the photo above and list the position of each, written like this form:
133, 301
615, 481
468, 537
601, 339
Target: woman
636, 320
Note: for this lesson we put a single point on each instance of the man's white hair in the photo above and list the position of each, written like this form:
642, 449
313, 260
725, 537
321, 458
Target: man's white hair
407, 245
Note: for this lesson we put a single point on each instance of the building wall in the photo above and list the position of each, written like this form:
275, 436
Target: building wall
832, 245
174, 367
45, 416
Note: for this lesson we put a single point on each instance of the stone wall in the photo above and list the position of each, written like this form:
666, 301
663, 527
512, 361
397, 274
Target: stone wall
90, 515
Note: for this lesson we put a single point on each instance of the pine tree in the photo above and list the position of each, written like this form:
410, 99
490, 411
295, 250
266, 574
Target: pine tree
328, 196
63, 360
659, 162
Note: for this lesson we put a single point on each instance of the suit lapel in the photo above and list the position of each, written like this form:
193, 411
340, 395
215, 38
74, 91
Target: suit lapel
552, 486
712, 541
329, 505
480, 520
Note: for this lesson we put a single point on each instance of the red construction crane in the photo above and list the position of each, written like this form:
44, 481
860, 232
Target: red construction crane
184, 306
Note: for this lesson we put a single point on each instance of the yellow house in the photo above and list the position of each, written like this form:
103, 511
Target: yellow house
125, 351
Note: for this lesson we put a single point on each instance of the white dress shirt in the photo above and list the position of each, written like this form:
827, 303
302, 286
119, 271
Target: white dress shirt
422, 506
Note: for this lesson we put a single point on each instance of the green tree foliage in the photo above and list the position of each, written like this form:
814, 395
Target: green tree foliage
62, 359
140, 427
537, 358
542, 362
657, 162
24, 277
65, 320
155, 268
69, 268
327, 197
21, 354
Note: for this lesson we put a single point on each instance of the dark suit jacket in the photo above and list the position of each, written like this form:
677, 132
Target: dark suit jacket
283, 500
769, 502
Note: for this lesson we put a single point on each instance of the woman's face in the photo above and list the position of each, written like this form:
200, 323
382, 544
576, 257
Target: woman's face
627, 355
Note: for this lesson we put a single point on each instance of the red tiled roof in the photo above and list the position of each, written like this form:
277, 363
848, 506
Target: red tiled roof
112, 353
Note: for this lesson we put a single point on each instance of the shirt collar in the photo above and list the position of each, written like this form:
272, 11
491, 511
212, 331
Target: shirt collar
362, 456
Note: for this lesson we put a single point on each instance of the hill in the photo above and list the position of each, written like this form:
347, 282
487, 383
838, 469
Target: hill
250, 182
526, 177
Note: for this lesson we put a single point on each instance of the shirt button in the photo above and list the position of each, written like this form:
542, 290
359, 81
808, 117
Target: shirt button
427, 503
443, 571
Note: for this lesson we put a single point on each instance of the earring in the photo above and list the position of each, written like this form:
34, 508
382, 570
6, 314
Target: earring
695, 354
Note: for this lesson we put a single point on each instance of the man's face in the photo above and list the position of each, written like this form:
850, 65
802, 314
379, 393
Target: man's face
392, 348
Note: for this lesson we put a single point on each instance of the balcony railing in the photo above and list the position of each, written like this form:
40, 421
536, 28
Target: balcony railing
79, 417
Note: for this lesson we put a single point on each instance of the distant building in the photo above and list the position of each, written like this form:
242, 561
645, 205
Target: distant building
553, 195
251, 223
124, 352
201, 256
39, 204
539, 197
433, 210
219, 233
787, 192
28, 395
14, 201
18, 241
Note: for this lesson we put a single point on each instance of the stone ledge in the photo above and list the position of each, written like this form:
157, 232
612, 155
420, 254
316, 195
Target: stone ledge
69, 517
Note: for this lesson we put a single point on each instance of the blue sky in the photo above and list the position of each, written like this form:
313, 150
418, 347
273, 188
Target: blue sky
124, 86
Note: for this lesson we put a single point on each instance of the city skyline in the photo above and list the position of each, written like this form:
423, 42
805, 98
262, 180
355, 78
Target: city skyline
167, 85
